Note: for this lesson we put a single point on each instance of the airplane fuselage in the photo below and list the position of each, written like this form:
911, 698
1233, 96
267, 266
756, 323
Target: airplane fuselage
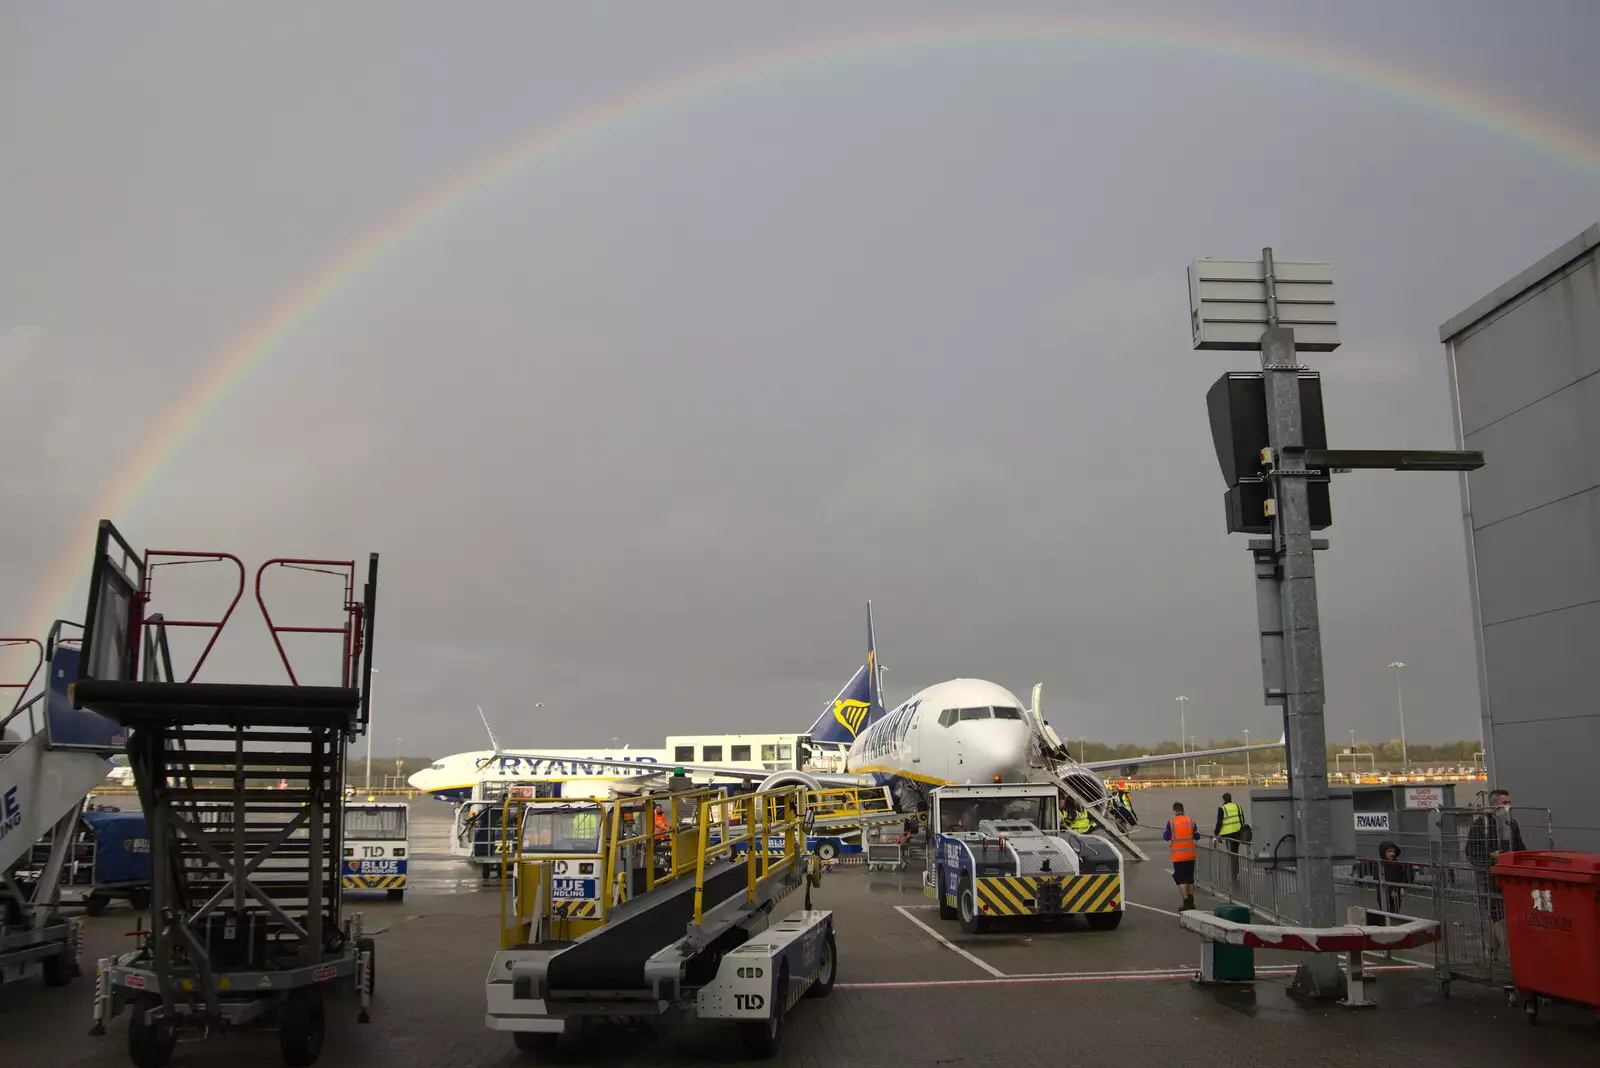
956, 732
452, 778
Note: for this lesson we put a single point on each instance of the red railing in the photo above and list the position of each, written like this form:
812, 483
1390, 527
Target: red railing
176, 558
351, 632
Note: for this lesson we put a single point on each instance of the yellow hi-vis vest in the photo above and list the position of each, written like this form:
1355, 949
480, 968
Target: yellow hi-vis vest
1232, 819
1080, 822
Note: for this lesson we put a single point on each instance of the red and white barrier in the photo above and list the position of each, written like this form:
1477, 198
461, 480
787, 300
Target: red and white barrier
1353, 939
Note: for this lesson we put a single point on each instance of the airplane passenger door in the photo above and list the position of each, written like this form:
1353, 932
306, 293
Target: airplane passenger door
912, 739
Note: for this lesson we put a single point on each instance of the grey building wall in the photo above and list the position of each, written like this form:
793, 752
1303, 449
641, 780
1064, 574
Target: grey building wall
1523, 363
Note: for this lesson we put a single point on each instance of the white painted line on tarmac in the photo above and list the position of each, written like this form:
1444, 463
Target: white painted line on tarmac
1151, 908
942, 940
1084, 977
1011, 980
1108, 973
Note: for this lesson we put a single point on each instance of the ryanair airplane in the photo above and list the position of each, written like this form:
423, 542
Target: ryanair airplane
958, 732
740, 757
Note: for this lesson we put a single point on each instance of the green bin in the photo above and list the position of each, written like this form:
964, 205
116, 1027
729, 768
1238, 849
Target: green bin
1233, 964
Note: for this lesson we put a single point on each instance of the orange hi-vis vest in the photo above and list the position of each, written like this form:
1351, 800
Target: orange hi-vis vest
1182, 838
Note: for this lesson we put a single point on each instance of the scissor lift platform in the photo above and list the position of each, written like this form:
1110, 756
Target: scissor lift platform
246, 916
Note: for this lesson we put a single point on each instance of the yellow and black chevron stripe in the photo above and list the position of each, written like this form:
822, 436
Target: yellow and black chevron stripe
373, 882
1019, 896
582, 910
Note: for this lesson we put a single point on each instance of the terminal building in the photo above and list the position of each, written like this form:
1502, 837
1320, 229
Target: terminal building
1525, 383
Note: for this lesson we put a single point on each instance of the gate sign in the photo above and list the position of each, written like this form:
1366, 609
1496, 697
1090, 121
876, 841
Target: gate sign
1424, 797
1372, 821
75, 728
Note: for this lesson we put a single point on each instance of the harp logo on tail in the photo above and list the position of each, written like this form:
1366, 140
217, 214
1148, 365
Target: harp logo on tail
850, 715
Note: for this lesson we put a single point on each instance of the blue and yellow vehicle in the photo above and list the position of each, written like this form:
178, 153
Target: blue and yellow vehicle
998, 853
375, 847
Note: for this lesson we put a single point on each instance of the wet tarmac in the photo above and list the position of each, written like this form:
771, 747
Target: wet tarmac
912, 989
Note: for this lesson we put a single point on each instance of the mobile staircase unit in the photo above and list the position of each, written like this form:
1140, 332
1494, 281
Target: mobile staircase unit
247, 924
623, 910
50, 759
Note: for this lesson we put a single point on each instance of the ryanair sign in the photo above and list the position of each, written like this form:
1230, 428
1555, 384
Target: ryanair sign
514, 766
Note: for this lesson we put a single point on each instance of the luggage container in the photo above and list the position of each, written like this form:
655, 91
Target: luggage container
1552, 918
119, 864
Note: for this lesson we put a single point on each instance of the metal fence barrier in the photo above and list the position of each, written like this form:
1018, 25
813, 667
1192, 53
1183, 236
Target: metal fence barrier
1441, 876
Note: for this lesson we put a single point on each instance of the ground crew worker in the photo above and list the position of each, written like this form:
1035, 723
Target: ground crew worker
1230, 830
1180, 833
1077, 818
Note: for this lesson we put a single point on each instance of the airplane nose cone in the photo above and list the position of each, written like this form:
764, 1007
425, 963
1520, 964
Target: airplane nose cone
1003, 750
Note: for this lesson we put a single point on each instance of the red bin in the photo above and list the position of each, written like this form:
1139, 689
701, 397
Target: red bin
1552, 910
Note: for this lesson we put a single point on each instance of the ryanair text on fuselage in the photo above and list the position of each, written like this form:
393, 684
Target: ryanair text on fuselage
512, 766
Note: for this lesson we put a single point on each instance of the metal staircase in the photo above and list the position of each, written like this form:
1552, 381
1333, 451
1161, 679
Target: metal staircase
242, 851
48, 766
1067, 776
247, 922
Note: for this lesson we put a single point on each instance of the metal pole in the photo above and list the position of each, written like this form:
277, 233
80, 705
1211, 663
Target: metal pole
369, 740
1318, 974
1400, 706
1183, 732
1247, 758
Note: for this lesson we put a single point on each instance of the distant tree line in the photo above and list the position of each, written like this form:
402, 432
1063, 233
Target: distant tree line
1383, 753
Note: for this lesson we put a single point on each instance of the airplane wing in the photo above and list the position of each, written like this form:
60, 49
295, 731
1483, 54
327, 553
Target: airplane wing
1162, 758
827, 778
1036, 714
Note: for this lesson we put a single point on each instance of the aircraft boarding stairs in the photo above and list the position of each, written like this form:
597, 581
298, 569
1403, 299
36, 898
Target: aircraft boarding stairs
45, 774
1064, 775
1074, 780
650, 911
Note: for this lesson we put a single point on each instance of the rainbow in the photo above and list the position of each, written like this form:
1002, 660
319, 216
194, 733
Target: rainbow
61, 584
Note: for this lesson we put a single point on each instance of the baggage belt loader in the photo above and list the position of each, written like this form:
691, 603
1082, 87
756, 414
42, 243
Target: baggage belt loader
624, 910
998, 854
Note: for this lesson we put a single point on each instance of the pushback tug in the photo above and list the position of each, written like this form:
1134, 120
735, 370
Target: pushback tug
998, 854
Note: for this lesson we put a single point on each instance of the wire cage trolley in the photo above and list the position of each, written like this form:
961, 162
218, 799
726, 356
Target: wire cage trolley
246, 925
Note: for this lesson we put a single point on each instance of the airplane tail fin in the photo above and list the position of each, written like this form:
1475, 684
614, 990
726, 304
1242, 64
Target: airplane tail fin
858, 705
488, 729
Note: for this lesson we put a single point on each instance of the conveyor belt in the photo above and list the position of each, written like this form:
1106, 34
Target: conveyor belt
613, 957
871, 819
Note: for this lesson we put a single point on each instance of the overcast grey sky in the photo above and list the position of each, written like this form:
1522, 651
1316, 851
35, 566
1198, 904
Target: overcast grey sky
639, 429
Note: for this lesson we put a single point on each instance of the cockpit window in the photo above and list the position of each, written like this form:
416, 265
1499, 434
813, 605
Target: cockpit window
435, 767
1007, 713
948, 716
974, 713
